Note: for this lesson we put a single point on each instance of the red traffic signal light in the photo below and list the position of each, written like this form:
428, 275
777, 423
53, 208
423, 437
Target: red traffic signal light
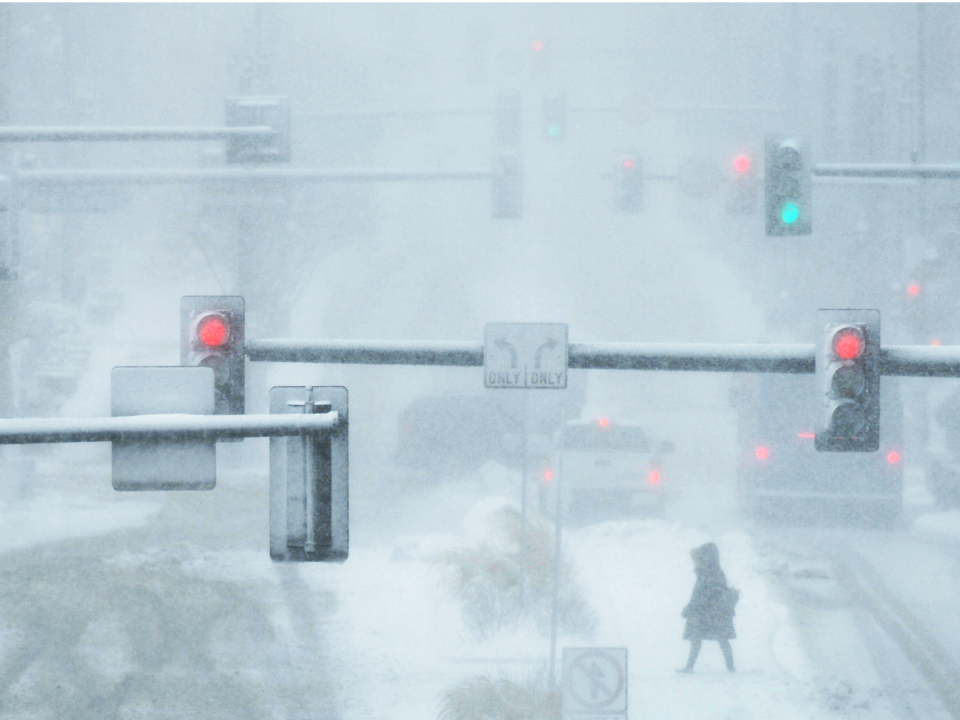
742, 164
848, 343
213, 330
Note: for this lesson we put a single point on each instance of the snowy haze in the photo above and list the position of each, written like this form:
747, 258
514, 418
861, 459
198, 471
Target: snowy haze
167, 604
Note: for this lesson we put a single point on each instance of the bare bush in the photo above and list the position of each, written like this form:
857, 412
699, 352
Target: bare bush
486, 698
486, 580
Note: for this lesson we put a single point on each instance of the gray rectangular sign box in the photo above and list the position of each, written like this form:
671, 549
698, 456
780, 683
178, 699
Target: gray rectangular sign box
309, 480
155, 465
594, 684
525, 355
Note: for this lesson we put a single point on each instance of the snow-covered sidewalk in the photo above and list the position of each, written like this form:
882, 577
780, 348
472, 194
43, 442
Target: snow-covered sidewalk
399, 639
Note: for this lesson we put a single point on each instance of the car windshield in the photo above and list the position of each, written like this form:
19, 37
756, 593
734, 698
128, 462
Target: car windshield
479, 361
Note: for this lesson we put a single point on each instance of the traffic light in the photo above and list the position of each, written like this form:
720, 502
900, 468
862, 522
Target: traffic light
555, 116
507, 186
508, 126
272, 112
787, 186
211, 335
743, 185
9, 226
309, 480
848, 380
630, 184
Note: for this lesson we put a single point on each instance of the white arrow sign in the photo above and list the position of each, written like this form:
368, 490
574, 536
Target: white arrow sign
525, 355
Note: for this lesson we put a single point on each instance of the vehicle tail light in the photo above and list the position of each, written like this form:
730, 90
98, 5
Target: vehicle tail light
654, 477
762, 452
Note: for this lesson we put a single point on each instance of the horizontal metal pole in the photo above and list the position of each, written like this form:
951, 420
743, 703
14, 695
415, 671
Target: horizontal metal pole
609, 356
161, 427
115, 134
920, 360
400, 114
885, 170
679, 109
695, 357
895, 360
367, 352
238, 175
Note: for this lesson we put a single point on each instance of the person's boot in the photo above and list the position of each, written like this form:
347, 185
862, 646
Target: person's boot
686, 669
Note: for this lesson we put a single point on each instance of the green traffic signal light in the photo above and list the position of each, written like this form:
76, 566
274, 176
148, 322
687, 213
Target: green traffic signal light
553, 131
789, 213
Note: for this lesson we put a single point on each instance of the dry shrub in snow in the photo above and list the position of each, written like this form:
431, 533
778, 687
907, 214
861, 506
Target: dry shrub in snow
486, 579
482, 697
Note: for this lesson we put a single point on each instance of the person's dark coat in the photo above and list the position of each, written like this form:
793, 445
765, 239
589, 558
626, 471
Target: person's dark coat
707, 618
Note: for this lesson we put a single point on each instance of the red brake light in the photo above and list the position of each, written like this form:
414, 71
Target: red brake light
893, 457
213, 331
913, 289
741, 163
806, 435
654, 477
603, 422
628, 164
935, 342
762, 452
848, 343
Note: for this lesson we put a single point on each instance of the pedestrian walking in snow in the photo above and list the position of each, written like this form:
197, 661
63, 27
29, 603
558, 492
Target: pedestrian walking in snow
710, 611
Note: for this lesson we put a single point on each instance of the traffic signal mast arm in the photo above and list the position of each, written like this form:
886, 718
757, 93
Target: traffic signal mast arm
122, 134
240, 175
899, 360
885, 170
162, 427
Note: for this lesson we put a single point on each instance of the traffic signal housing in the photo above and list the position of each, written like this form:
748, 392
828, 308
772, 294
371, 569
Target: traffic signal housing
744, 188
212, 335
848, 380
787, 184
555, 116
630, 184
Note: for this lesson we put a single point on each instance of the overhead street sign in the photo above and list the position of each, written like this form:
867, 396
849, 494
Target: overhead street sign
595, 683
525, 355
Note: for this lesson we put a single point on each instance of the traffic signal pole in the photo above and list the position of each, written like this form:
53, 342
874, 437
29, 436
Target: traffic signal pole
122, 134
886, 170
895, 360
240, 175
168, 427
